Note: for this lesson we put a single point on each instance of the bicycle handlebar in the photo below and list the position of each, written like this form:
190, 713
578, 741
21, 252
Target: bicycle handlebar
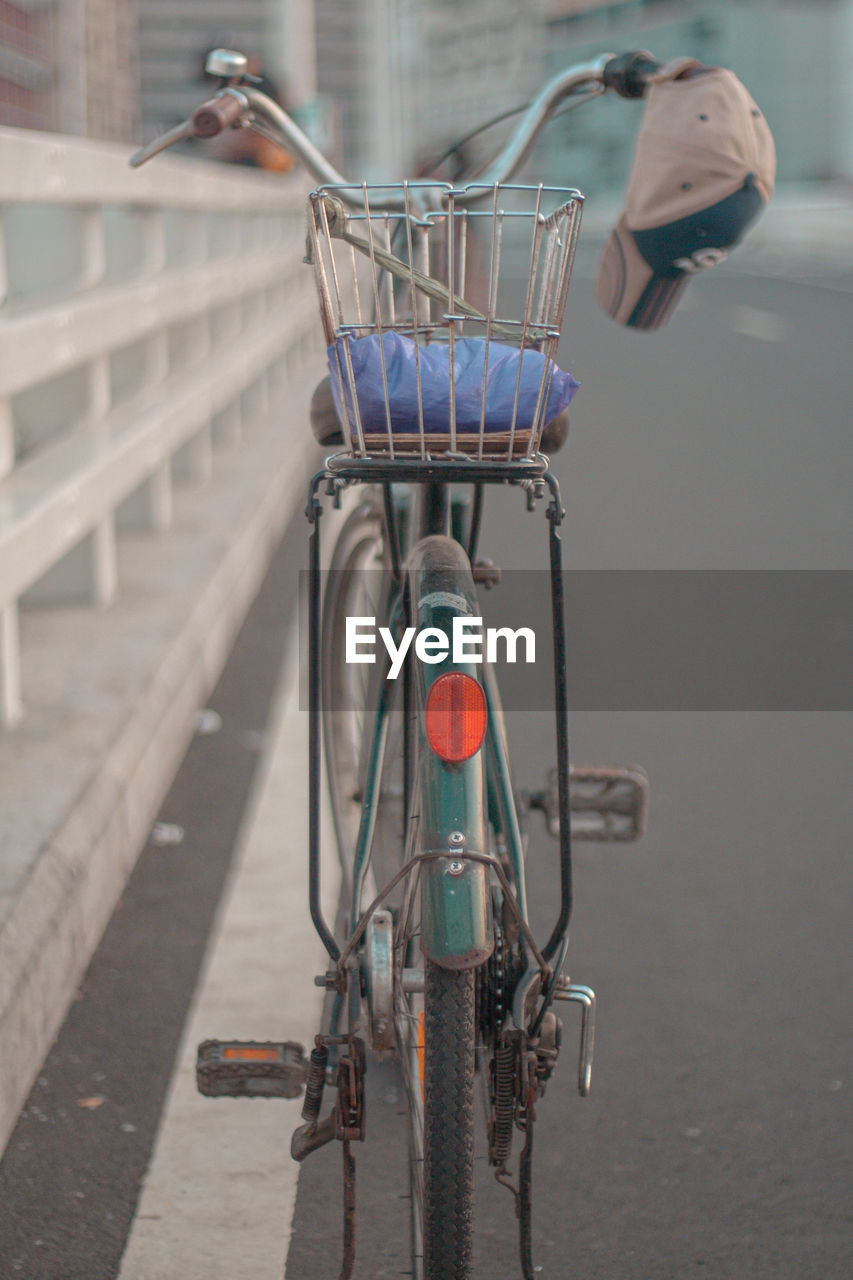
212, 117
239, 104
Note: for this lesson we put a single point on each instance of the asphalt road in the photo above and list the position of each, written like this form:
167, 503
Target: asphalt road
716, 1139
715, 1142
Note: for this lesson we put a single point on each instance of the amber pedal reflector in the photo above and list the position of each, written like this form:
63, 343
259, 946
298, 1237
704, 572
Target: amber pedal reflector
455, 717
250, 1053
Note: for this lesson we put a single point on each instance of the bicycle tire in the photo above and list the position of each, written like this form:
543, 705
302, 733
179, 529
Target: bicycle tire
346, 693
448, 1137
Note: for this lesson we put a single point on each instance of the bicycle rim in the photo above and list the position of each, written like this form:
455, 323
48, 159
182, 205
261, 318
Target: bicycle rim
353, 589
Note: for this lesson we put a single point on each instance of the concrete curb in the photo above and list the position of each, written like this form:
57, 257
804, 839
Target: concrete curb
60, 906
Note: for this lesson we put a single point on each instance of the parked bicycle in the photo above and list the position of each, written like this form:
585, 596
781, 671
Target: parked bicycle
443, 381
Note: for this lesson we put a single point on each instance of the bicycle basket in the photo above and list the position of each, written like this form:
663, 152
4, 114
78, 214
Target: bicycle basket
418, 305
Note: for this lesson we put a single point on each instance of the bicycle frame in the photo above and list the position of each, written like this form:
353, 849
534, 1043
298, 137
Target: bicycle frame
452, 799
455, 926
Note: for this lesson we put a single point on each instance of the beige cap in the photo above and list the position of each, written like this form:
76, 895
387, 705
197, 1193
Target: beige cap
704, 167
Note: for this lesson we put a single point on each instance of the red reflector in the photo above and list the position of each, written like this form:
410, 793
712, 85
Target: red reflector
455, 716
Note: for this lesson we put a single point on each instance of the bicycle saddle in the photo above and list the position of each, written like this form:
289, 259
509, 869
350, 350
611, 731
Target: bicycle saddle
328, 432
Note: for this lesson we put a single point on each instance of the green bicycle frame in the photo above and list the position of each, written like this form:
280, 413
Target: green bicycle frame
454, 802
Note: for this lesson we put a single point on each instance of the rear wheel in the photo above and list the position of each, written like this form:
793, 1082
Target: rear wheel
355, 586
449, 1043
436, 1039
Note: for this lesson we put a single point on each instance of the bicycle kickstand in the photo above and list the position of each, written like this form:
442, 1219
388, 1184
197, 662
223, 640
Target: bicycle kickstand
345, 1122
525, 1175
350, 1126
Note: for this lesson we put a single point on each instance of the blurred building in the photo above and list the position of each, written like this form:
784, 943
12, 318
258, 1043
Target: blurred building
26, 66
408, 76
350, 70
795, 56
463, 65
70, 66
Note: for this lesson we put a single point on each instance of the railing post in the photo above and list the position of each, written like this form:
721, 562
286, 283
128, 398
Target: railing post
157, 490
98, 391
11, 697
4, 276
102, 572
104, 585
86, 574
150, 506
194, 463
100, 546
153, 242
94, 250
7, 439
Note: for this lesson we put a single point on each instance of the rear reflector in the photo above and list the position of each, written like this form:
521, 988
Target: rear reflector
455, 717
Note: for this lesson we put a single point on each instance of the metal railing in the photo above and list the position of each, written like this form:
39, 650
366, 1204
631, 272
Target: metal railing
143, 318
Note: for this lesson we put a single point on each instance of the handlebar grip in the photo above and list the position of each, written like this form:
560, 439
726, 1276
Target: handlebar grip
217, 114
628, 73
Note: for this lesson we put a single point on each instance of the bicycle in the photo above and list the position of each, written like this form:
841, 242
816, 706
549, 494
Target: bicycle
440, 966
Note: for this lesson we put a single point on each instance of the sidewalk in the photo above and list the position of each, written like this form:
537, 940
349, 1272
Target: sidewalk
218, 1197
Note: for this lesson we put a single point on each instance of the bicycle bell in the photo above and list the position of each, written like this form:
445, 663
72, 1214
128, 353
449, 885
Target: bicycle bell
226, 63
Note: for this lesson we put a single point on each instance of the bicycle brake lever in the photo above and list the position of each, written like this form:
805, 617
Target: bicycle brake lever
168, 139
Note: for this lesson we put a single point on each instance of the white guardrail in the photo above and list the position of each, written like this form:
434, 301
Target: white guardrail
142, 317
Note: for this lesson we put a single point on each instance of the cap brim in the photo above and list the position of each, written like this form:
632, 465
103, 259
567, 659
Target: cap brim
628, 288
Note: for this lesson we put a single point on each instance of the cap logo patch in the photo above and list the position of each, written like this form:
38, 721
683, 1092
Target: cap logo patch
701, 260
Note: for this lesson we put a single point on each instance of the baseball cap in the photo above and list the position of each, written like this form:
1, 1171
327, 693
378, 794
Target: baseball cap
704, 167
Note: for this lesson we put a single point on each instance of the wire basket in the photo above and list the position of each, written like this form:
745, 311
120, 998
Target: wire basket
443, 315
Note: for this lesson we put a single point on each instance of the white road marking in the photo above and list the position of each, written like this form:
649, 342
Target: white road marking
755, 322
219, 1195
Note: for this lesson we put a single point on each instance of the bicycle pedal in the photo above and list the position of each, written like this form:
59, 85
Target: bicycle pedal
251, 1069
607, 802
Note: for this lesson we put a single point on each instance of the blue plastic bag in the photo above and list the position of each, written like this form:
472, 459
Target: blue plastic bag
469, 356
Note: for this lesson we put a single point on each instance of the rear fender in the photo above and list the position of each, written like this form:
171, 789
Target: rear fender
456, 929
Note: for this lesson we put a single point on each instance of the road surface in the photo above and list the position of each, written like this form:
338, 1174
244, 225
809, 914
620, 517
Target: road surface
715, 1142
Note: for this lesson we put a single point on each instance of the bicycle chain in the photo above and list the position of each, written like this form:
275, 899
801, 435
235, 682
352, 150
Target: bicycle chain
491, 991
